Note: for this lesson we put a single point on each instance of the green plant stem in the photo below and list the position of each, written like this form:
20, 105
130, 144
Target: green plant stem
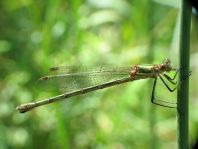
183, 86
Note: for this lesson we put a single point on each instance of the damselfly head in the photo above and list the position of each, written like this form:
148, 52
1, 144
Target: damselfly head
166, 65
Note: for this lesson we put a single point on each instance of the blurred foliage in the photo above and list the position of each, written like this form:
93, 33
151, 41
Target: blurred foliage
36, 35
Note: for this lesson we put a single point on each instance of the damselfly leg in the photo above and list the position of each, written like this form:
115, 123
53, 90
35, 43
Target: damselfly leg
171, 81
167, 86
189, 73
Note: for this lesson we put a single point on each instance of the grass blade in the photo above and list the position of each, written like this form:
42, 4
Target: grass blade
183, 87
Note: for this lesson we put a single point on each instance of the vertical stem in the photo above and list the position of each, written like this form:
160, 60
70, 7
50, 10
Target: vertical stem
183, 87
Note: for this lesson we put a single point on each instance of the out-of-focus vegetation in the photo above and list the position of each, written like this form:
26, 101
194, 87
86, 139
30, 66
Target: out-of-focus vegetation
35, 35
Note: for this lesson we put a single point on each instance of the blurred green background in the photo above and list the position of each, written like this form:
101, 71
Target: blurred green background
36, 35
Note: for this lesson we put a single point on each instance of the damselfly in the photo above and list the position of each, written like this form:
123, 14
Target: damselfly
76, 80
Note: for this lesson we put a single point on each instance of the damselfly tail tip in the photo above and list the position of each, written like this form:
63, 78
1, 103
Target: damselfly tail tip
21, 109
25, 107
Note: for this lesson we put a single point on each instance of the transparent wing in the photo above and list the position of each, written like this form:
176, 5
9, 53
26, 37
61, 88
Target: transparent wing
73, 78
79, 69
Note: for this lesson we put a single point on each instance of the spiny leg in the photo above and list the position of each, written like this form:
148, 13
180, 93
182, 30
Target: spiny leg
171, 80
189, 74
161, 102
171, 90
185, 77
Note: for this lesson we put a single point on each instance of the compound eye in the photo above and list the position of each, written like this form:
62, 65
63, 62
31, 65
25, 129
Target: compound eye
163, 66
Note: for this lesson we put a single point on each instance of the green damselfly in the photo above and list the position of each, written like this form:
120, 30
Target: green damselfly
76, 80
